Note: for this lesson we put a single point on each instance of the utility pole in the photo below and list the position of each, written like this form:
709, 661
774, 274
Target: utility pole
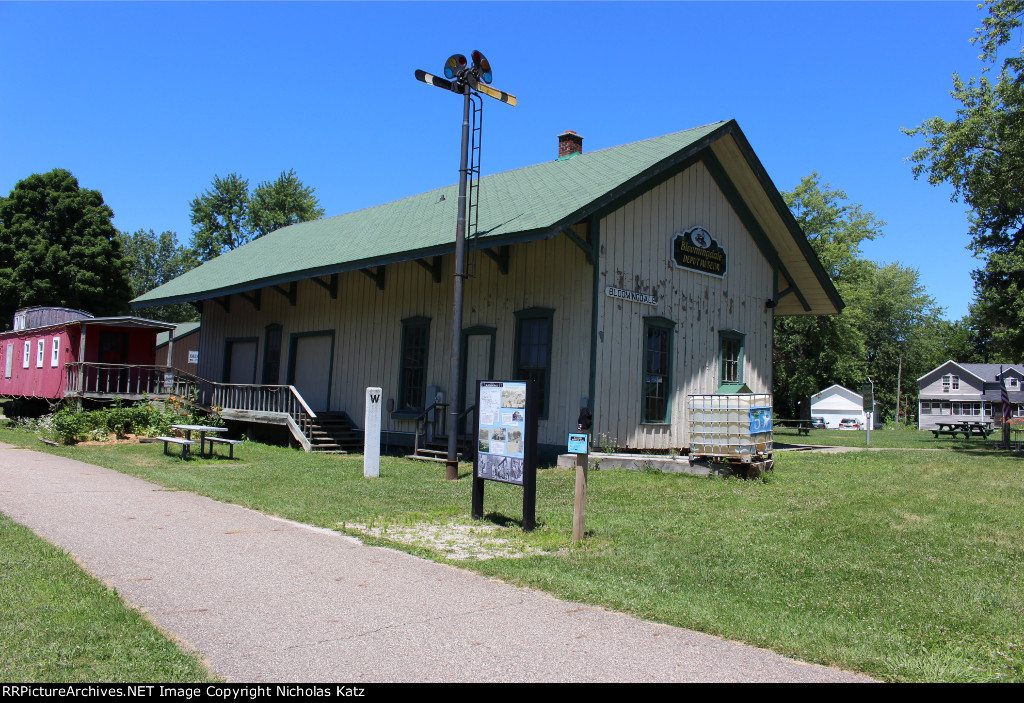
899, 378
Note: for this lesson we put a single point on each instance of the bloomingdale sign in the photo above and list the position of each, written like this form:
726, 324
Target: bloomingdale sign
694, 249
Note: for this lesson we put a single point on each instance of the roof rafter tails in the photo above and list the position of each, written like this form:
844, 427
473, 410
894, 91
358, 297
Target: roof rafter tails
583, 243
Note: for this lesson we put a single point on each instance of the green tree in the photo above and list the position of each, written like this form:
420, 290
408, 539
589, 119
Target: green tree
812, 353
59, 247
890, 329
902, 329
227, 215
285, 201
220, 217
981, 155
154, 261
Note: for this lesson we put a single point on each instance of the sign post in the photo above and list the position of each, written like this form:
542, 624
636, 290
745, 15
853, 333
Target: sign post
579, 445
371, 434
867, 392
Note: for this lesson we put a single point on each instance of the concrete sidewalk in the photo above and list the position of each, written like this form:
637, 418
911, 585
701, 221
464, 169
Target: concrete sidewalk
269, 600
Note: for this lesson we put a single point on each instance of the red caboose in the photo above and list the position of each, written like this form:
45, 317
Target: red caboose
53, 353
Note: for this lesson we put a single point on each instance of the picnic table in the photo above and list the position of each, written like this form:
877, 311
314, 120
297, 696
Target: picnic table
202, 430
967, 429
803, 427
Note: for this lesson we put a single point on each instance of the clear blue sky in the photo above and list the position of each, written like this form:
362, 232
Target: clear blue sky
145, 102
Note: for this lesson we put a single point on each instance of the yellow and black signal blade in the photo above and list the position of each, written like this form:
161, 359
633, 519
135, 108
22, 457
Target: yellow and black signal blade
433, 80
496, 94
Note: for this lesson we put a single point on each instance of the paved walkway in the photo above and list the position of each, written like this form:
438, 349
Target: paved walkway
265, 599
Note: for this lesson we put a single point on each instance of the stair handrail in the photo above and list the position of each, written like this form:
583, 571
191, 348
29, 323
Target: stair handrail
421, 422
469, 429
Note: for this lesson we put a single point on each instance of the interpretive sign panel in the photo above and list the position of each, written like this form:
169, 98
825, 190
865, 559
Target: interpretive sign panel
500, 448
506, 438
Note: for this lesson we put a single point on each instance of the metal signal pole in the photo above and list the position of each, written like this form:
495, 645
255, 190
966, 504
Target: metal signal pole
461, 78
451, 471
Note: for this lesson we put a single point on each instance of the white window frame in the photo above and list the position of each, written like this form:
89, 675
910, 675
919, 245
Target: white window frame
945, 383
40, 352
26, 362
55, 353
9, 360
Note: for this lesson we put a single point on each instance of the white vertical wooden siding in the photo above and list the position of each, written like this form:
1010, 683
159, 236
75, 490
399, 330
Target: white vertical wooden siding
636, 254
368, 326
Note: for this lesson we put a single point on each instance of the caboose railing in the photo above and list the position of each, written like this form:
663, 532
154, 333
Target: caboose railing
126, 380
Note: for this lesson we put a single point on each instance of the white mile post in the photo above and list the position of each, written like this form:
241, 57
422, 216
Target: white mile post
371, 434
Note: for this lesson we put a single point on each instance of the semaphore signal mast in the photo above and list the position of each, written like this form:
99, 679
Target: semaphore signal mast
463, 78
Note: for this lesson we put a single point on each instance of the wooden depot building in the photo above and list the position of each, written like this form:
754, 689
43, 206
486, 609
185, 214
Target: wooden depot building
625, 278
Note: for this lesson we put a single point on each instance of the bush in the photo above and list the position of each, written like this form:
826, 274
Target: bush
70, 425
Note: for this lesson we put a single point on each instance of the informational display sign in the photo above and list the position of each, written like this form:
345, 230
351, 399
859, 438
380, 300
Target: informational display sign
193, 357
506, 437
168, 380
696, 250
760, 420
500, 437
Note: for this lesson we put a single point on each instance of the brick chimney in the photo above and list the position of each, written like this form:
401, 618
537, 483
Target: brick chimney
569, 143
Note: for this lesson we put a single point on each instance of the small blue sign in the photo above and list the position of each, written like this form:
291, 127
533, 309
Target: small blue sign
578, 443
760, 420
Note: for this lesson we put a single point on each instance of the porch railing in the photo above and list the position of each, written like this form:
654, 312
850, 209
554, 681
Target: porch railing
127, 380
85, 378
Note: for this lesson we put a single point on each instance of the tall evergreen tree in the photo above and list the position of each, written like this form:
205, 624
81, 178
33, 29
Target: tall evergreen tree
59, 247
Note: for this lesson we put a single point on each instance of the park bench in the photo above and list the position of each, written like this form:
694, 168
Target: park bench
223, 440
185, 444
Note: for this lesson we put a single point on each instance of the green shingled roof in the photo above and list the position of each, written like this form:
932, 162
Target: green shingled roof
181, 330
518, 205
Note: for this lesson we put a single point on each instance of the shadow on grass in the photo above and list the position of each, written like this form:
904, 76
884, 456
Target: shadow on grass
503, 520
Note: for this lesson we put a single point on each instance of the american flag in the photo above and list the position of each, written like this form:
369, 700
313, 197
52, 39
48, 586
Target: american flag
1004, 397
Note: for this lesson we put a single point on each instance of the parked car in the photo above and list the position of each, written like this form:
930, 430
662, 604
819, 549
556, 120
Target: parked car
849, 423
817, 423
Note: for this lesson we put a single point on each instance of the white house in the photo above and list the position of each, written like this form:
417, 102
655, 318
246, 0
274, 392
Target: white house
836, 403
954, 392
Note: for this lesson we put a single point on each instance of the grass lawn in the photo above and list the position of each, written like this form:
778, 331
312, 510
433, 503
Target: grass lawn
890, 439
901, 564
60, 625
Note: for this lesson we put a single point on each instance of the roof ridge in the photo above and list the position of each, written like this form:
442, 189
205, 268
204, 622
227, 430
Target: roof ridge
511, 170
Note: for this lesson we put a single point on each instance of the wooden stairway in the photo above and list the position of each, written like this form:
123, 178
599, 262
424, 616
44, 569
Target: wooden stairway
334, 433
437, 450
